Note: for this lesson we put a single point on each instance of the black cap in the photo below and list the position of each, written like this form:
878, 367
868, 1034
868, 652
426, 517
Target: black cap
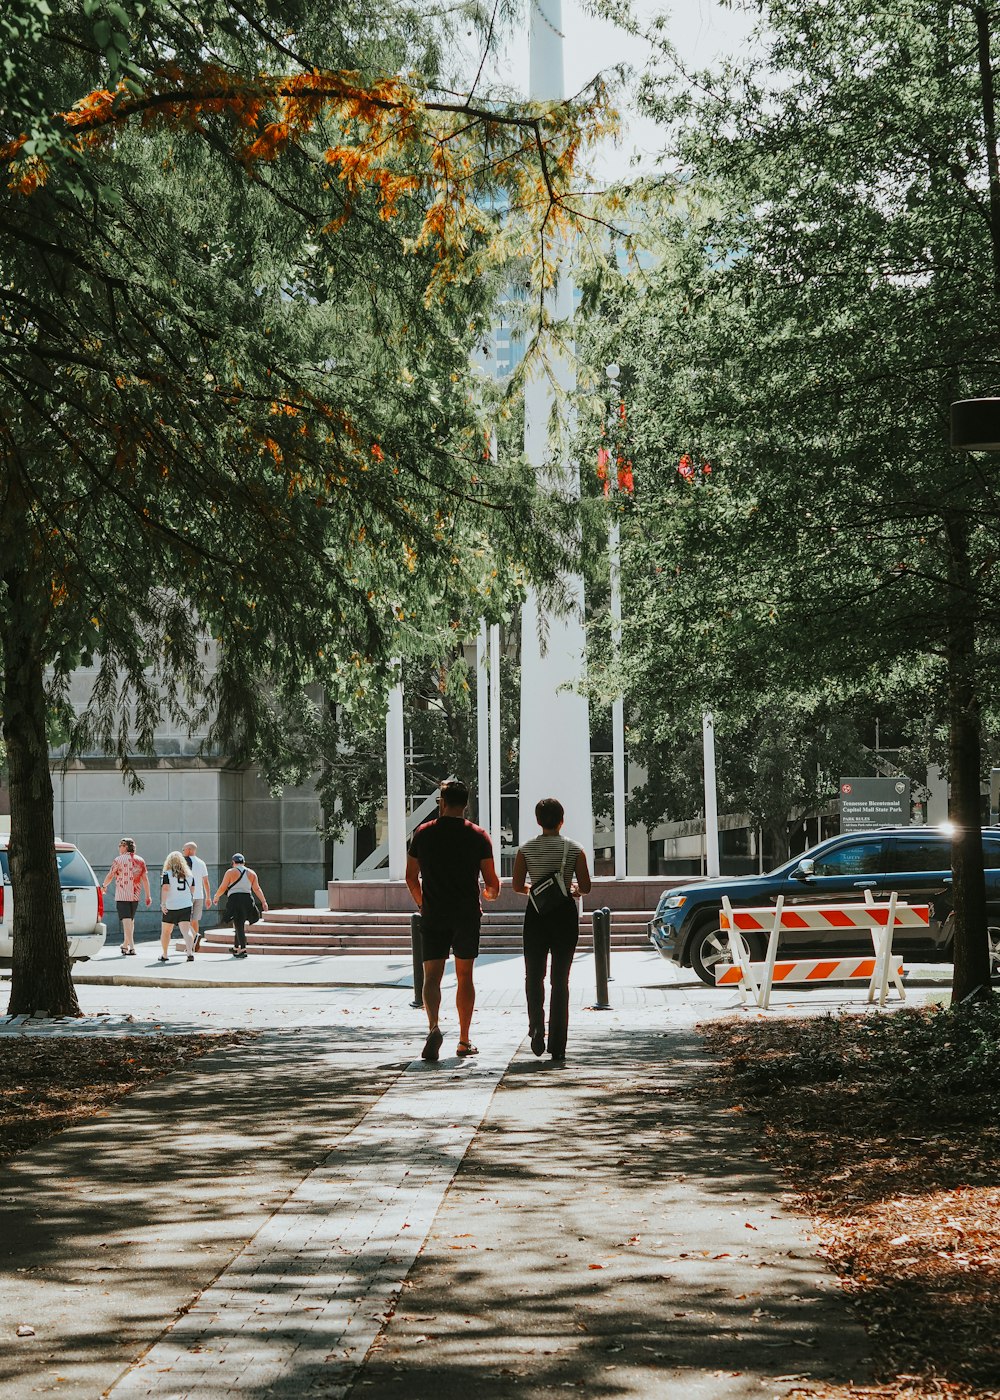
239, 858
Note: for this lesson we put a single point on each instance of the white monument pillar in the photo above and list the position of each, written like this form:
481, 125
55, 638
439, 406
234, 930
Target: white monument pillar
555, 723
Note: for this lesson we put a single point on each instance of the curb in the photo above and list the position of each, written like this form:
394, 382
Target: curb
120, 980
123, 980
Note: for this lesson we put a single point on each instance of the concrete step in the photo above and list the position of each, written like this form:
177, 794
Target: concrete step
344, 933
490, 917
328, 947
511, 916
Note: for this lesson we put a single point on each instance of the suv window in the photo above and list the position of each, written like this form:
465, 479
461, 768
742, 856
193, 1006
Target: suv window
857, 858
74, 870
925, 854
991, 852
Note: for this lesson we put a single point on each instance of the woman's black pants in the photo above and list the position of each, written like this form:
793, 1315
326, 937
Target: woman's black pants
550, 936
240, 907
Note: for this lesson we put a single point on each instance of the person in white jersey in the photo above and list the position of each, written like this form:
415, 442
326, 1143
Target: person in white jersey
202, 889
176, 898
554, 933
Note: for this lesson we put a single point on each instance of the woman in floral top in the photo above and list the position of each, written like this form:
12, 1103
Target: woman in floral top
131, 878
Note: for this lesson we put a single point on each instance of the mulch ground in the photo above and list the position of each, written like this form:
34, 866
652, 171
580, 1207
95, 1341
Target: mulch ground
888, 1129
47, 1085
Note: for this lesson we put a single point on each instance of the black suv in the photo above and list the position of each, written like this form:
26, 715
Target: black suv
913, 861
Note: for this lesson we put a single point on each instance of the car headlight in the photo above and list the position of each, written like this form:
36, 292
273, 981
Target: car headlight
674, 901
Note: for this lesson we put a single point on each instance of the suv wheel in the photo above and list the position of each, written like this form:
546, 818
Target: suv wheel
710, 947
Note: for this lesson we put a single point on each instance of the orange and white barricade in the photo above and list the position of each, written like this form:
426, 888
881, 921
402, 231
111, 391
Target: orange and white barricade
880, 920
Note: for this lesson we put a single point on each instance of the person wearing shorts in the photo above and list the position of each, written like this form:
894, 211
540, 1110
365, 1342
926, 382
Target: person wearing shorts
131, 880
176, 899
443, 866
202, 889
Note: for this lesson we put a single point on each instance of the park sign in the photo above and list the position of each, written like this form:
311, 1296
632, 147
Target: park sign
869, 802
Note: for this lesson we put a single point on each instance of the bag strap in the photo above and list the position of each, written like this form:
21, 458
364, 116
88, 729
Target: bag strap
560, 869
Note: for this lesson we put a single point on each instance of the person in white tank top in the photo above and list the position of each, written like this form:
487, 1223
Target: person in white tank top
242, 889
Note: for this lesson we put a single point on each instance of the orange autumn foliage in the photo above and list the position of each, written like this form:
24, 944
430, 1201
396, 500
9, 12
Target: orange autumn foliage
394, 143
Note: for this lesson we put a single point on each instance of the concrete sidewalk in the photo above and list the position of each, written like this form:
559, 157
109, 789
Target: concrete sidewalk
631, 969
109, 968
317, 1212
639, 978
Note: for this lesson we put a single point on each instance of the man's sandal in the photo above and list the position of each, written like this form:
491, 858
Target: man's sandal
432, 1045
465, 1049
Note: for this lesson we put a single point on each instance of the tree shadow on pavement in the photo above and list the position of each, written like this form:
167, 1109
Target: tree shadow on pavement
109, 1229
607, 1232
604, 1230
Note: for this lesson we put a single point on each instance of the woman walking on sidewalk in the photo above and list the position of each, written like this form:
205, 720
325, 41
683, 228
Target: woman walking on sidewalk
243, 898
558, 873
131, 879
176, 899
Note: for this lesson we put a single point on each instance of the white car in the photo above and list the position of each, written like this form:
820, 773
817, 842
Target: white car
82, 900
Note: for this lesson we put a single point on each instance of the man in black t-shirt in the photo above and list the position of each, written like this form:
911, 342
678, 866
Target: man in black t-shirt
443, 866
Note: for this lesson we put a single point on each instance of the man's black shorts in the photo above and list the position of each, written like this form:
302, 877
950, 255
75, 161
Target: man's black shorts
460, 937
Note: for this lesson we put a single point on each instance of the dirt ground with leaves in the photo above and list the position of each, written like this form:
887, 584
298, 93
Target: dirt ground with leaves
49, 1084
888, 1128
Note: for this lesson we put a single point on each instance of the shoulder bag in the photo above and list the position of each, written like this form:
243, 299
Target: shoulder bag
550, 893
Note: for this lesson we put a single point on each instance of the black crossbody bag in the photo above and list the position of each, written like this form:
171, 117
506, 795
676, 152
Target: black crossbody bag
550, 893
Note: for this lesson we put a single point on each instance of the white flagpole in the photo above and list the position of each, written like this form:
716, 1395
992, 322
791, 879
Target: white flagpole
711, 804
618, 708
495, 740
395, 764
482, 730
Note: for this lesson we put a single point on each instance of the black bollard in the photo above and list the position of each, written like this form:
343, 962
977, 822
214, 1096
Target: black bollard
417, 941
607, 940
601, 918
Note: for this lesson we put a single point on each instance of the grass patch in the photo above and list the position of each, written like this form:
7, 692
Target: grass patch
888, 1128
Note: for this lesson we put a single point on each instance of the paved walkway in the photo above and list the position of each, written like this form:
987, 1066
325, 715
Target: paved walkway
320, 1214
298, 1309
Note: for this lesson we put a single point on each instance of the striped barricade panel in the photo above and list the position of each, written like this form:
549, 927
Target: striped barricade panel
809, 970
828, 916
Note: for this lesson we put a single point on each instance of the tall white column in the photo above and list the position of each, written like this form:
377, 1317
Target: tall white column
617, 707
495, 739
396, 778
711, 804
555, 722
482, 730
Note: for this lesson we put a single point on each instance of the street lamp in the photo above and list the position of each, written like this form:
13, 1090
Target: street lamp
975, 425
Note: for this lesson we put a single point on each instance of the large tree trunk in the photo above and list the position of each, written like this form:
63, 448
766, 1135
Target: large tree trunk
988, 96
41, 980
972, 959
